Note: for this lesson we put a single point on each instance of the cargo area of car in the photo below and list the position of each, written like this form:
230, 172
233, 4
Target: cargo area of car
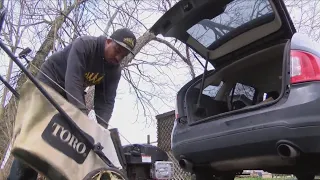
249, 82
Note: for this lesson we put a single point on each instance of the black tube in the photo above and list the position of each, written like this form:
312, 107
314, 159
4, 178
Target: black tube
25, 58
202, 83
197, 59
14, 92
24, 52
96, 148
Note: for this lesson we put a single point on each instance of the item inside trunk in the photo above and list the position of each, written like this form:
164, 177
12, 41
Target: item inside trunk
247, 82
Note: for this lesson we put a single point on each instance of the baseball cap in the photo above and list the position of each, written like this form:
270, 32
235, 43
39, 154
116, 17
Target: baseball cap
125, 38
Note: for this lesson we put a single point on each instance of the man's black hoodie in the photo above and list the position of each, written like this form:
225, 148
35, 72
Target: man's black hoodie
82, 64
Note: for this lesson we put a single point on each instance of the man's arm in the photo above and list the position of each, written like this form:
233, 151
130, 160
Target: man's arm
104, 97
75, 74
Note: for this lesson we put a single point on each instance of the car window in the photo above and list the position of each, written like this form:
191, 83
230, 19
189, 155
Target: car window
238, 17
212, 90
243, 93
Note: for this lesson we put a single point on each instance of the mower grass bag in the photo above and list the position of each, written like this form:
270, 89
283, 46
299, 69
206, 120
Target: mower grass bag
46, 142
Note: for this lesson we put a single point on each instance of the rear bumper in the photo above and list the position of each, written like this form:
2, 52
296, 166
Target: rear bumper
254, 134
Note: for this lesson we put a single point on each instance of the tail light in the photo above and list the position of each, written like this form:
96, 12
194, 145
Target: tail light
304, 67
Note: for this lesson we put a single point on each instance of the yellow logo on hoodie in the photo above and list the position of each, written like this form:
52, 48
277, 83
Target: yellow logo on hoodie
93, 78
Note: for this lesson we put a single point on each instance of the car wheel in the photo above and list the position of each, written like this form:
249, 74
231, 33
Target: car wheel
305, 176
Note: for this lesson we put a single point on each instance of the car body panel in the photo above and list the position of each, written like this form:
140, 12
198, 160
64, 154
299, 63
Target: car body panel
295, 119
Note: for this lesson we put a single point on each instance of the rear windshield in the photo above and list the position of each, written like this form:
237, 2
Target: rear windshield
238, 17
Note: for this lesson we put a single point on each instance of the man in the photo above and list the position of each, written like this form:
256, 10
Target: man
90, 61
85, 62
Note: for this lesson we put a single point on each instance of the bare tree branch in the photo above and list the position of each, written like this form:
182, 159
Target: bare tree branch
186, 60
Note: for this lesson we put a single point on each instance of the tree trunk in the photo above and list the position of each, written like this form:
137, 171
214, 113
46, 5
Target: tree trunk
141, 42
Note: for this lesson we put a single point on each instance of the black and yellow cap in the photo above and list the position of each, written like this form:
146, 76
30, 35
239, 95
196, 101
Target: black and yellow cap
125, 38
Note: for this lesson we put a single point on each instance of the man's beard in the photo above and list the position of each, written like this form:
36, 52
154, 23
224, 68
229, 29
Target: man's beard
111, 63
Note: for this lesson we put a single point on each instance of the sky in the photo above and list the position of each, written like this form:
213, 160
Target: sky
133, 128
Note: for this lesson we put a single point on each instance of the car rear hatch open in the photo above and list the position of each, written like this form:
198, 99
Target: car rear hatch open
224, 31
219, 29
